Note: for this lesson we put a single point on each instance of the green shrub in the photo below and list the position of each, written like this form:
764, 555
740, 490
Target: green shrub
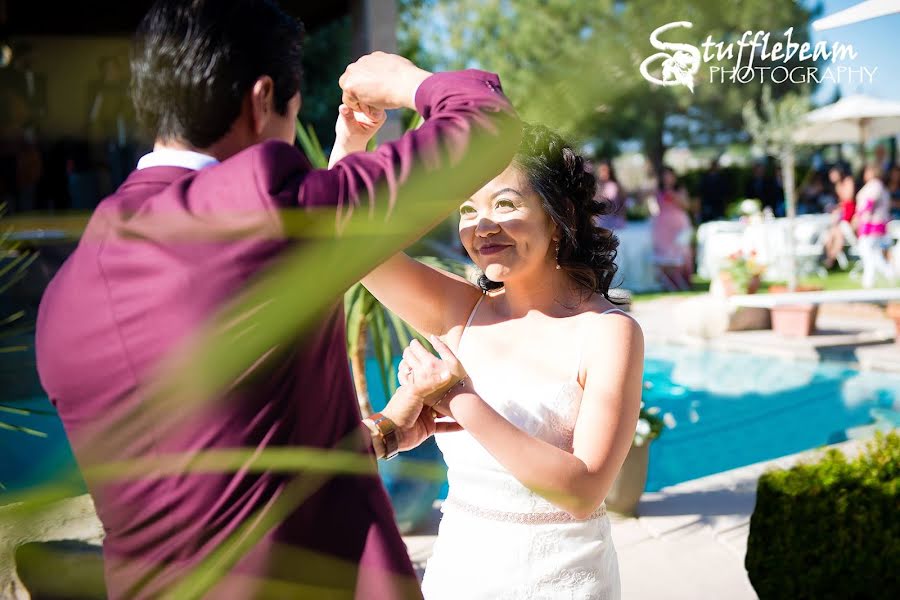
829, 529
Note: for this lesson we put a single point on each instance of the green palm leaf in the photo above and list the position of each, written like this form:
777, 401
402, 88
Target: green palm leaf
13, 326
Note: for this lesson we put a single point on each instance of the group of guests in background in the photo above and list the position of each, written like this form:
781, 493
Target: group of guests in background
863, 214
860, 209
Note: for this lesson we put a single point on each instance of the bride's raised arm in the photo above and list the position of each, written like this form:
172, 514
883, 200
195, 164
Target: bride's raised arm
431, 300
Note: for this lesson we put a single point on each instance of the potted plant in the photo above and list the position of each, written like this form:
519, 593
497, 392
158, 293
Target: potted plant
794, 320
375, 336
740, 274
629, 485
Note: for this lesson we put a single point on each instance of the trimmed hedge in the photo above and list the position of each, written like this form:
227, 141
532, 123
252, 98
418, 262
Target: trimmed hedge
829, 529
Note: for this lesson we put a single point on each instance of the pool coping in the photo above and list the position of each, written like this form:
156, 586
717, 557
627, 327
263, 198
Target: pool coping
866, 342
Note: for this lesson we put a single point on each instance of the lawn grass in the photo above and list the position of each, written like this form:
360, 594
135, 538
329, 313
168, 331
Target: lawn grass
698, 286
835, 280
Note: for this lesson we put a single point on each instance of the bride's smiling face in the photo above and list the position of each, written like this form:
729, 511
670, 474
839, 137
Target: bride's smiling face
505, 229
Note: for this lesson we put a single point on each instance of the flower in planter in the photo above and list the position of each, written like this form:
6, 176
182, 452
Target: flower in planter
743, 271
649, 426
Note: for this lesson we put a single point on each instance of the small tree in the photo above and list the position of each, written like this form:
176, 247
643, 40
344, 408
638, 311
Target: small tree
772, 130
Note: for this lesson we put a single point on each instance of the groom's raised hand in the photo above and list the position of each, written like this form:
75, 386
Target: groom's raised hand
413, 419
380, 81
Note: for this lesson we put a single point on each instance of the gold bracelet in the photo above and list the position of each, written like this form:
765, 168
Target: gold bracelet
461, 383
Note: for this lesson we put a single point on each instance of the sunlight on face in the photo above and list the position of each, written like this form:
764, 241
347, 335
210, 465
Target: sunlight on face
505, 229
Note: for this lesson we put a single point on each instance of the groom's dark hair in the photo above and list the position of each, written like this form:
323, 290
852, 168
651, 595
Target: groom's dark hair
193, 61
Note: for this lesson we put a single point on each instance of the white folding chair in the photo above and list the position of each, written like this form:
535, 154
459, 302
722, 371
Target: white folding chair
851, 242
809, 245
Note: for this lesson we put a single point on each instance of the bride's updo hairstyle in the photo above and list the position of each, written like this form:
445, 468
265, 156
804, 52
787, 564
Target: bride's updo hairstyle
568, 191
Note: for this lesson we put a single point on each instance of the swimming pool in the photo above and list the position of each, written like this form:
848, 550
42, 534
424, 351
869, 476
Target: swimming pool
729, 410
732, 409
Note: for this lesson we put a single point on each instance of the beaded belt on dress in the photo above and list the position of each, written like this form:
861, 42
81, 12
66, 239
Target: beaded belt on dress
534, 518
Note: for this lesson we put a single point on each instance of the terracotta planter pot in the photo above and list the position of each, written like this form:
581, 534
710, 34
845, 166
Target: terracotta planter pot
797, 320
626, 492
893, 312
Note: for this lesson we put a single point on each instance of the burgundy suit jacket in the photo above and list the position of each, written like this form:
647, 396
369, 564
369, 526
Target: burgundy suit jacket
146, 275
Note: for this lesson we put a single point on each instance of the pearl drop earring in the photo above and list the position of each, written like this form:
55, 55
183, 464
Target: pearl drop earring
557, 255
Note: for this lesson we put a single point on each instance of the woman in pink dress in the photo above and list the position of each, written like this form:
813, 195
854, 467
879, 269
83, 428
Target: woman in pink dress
873, 207
672, 234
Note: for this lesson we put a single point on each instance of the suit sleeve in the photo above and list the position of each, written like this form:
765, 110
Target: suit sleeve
469, 135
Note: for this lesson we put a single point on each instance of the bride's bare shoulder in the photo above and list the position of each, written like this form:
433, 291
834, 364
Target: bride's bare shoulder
600, 315
598, 306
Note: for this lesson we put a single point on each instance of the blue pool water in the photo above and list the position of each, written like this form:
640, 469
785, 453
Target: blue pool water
732, 410
729, 410
27, 460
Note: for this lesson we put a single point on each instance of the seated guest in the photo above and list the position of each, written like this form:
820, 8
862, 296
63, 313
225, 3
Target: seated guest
841, 217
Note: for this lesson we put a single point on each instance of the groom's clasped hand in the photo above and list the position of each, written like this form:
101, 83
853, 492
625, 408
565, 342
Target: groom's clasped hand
381, 81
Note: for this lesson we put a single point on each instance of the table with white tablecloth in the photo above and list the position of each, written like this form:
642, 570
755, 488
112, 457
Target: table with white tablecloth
634, 259
767, 239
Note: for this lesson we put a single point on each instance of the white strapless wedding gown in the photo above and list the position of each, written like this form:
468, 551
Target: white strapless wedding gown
499, 540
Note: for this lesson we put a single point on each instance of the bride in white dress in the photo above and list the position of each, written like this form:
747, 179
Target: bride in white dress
545, 380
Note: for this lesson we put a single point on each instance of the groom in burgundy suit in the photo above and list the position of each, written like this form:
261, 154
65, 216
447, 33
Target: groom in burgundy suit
218, 81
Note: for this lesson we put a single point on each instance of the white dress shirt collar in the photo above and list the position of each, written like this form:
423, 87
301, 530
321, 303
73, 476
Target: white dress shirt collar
171, 157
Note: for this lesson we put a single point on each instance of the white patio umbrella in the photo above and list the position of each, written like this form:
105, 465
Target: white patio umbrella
863, 11
855, 118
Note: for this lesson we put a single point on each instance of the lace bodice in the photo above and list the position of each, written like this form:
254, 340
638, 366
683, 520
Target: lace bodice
547, 412
543, 409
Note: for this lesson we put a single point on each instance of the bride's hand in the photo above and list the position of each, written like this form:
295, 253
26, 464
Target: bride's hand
353, 130
427, 375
